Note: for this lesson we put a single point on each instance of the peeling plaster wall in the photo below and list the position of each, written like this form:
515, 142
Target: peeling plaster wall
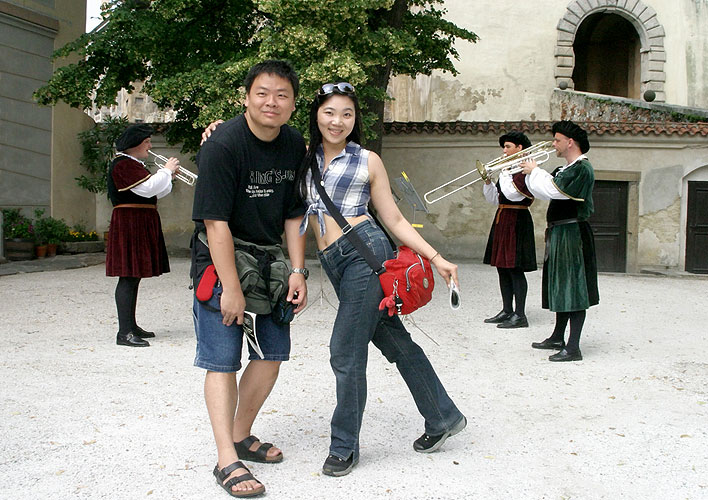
459, 225
659, 236
508, 74
696, 32
660, 189
496, 81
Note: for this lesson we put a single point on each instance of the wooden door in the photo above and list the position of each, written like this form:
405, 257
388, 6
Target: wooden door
697, 228
609, 225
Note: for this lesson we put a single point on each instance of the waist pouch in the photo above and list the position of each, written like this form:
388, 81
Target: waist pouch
407, 283
262, 271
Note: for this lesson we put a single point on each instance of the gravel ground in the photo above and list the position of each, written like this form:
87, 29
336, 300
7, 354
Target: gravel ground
84, 418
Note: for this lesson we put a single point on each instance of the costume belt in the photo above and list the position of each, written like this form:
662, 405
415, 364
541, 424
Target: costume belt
501, 207
551, 225
562, 222
135, 205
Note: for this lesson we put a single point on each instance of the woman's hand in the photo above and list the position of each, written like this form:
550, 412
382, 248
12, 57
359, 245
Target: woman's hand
207, 131
446, 269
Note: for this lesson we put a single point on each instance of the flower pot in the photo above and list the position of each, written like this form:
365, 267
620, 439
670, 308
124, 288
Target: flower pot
51, 249
40, 251
19, 249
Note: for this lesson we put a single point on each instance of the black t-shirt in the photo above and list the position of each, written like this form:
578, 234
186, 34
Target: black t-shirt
248, 182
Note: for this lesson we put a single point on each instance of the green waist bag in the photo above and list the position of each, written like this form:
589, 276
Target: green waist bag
263, 274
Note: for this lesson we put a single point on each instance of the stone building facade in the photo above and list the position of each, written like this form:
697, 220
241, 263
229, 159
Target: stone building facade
631, 71
40, 151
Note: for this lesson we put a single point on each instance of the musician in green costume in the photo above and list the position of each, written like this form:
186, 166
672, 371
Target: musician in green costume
569, 268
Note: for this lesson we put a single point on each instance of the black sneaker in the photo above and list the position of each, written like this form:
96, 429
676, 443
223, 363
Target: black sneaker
428, 444
335, 466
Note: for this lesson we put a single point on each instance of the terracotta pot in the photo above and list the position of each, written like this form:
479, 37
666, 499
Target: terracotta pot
51, 249
19, 249
40, 251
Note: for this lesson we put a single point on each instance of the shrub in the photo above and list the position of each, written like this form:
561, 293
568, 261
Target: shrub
16, 225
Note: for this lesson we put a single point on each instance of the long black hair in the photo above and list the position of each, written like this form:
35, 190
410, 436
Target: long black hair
310, 160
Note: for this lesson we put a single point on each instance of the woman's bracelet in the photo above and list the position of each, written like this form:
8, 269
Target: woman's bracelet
436, 254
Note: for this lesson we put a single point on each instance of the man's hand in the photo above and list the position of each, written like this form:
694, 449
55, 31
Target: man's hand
233, 304
207, 133
297, 284
173, 166
528, 166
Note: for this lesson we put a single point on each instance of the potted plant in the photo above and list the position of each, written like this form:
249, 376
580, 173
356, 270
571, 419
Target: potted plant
40, 237
80, 240
19, 235
53, 231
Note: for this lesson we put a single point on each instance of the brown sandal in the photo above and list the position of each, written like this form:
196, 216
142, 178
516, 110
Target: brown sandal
222, 474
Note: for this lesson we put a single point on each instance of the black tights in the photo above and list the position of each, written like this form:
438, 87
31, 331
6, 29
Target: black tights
126, 299
512, 283
577, 319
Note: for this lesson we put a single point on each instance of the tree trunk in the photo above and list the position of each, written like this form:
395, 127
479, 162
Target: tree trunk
379, 76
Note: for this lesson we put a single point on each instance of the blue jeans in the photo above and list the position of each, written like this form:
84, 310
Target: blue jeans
360, 321
219, 346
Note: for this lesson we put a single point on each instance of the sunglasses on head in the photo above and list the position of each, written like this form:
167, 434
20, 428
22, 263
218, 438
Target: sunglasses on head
328, 88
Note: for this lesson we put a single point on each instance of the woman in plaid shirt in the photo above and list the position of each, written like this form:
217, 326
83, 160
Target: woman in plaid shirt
352, 176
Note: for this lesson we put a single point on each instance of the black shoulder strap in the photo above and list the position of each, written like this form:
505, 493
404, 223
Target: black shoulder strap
360, 246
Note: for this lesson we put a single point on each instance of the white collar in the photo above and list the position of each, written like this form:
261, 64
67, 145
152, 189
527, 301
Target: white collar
581, 157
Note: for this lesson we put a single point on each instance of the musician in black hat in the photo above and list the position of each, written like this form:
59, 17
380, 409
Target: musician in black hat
511, 247
136, 247
569, 268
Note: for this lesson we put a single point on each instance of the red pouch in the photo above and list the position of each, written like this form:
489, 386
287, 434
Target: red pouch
407, 283
205, 289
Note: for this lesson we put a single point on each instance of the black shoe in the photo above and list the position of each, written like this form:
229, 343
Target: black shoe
428, 444
131, 340
335, 466
549, 344
514, 321
499, 317
139, 332
566, 356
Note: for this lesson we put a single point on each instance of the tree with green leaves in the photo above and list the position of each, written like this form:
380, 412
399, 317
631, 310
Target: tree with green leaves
193, 54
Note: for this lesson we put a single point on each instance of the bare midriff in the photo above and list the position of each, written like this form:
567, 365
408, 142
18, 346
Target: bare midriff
332, 230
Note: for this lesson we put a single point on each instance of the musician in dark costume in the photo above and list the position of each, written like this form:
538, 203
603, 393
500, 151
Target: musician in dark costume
136, 247
511, 245
570, 268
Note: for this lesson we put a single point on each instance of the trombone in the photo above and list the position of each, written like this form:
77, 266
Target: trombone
182, 174
541, 152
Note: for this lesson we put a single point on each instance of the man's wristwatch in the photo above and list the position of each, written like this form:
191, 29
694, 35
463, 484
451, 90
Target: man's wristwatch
301, 270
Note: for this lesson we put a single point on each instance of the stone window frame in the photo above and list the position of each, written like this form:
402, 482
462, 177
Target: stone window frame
645, 21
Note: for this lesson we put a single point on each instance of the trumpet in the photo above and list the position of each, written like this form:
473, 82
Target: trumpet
541, 152
182, 174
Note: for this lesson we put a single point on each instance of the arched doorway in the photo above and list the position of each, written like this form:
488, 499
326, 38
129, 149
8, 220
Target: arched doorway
589, 22
607, 58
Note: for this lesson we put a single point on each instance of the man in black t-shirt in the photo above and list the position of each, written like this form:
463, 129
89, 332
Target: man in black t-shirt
246, 190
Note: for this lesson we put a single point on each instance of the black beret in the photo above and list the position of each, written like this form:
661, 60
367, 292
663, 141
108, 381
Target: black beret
515, 137
133, 136
571, 130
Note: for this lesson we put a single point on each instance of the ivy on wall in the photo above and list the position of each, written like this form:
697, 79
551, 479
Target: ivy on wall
97, 153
